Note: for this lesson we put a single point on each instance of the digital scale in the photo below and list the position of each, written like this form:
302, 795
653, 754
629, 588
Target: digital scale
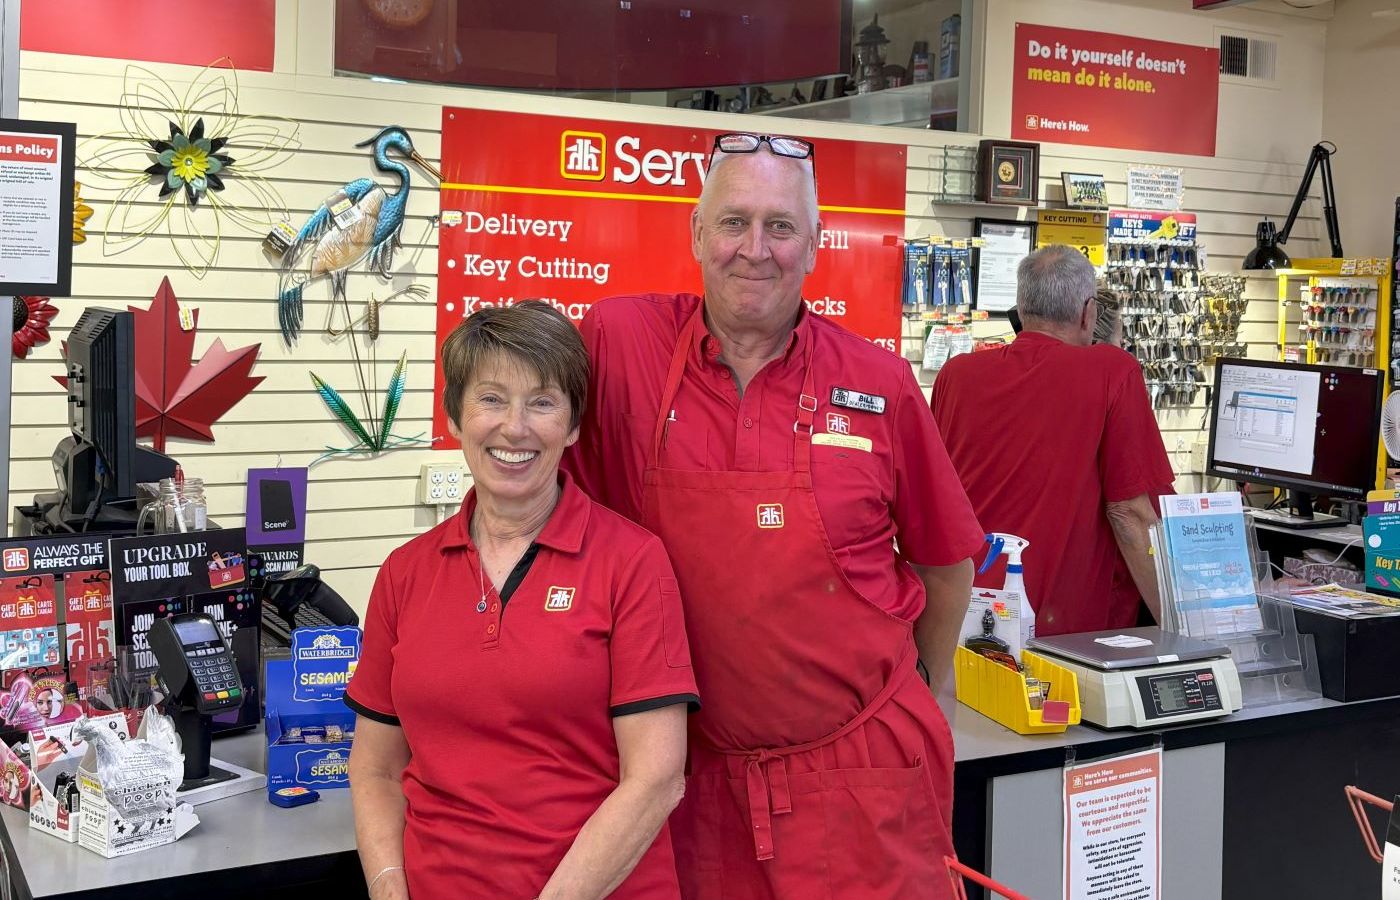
1145, 677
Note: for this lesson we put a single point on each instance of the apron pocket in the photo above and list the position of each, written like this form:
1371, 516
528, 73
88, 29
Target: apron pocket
880, 827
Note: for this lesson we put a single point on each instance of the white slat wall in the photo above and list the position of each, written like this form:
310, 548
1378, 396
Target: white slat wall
1227, 196
362, 508
359, 508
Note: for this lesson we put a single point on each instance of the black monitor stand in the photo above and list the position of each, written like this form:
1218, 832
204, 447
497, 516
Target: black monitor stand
1299, 514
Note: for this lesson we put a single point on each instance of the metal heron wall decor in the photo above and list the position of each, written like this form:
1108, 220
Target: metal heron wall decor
361, 222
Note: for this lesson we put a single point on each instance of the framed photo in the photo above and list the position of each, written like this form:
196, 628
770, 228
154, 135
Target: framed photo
1084, 191
994, 263
36, 193
1008, 172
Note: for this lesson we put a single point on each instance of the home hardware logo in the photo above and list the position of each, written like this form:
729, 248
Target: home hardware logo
583, 155
586, 155
559, 599
16, 559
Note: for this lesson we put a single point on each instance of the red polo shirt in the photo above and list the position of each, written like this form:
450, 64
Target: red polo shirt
507, 701
897, 485
1044, 434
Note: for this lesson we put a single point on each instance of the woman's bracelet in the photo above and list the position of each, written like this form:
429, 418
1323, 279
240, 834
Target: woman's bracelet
380, 874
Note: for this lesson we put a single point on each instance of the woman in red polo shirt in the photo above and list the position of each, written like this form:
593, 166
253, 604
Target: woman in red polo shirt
523, 688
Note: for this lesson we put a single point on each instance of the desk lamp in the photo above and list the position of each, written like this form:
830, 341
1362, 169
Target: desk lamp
1267, 254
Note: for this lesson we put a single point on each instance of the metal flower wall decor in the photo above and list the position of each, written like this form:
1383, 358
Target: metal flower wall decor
30, 324
192, 161
81, 213
197, 155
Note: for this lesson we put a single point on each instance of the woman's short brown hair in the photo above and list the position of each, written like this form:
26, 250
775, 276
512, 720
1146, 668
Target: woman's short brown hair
531, 333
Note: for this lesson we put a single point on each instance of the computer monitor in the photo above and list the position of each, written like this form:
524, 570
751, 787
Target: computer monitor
99, 464
1309, 429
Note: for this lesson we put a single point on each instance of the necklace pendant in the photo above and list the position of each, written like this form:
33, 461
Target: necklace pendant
481, 606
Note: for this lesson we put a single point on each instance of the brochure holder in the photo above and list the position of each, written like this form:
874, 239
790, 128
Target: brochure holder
1276, 663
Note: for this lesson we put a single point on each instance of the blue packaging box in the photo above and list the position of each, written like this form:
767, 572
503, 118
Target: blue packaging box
308, 692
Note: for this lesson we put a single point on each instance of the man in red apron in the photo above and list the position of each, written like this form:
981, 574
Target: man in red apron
780, 457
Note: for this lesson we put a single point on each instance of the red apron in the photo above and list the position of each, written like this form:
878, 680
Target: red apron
820, 764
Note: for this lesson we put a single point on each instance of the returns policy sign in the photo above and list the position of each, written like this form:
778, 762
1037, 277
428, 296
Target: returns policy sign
575, 210
1110, 90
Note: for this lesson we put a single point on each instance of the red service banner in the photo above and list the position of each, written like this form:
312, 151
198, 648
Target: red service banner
192, 34
1110, 90
575, 210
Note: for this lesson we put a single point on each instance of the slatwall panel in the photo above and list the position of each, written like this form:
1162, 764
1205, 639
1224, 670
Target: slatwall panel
1228, 198
360, 509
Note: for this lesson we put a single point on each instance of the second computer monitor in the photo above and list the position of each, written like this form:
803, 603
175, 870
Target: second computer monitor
1308, 428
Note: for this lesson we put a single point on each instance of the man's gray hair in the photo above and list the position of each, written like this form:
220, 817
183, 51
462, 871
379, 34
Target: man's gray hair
1053, 283
809, 198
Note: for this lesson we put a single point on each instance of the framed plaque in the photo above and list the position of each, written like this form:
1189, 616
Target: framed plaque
1008, 172
1084, 191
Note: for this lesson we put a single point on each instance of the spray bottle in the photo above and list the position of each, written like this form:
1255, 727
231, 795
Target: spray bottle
1015, 615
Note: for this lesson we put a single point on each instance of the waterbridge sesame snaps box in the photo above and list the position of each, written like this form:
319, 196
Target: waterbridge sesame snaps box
309, 727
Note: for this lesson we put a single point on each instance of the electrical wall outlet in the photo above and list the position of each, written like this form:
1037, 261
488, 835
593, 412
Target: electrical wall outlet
1198, 455
443, 484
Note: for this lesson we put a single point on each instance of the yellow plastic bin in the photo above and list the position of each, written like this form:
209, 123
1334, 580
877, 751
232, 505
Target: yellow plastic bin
999, 693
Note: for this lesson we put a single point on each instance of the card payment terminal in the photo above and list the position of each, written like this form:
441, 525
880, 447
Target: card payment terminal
196, 664
1146, 677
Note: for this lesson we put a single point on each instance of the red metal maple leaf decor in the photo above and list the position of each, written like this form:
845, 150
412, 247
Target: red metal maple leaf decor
174, 396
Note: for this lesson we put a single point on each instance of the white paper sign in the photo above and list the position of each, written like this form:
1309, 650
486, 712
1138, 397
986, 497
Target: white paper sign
1390, 861
1155, 187
1390, 873
1123, 641
1113, 827
1007, 243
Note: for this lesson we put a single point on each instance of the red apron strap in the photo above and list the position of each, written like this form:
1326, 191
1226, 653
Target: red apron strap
673, 383
806, 414
759, 812
778, 785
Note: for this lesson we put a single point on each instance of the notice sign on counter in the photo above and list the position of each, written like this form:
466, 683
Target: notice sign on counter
36, 207
1390, 860
1113, 827
571, 211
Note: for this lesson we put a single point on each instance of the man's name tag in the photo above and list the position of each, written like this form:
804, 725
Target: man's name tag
871, 403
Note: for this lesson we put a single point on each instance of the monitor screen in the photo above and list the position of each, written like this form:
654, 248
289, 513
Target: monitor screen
1306, 427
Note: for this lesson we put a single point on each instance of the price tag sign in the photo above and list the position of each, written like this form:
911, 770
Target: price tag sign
1085, 231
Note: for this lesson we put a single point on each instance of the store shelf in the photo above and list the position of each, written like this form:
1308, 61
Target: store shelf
908, 105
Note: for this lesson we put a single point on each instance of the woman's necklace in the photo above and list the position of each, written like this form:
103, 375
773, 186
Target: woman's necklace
481, 564
481, 573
